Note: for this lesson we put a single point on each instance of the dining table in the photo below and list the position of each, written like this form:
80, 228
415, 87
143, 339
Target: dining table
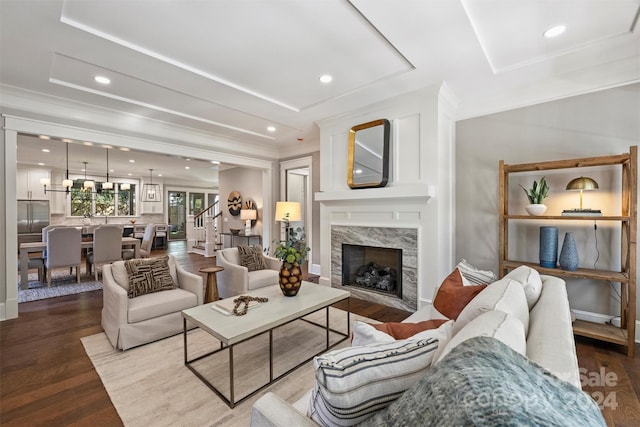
30, 247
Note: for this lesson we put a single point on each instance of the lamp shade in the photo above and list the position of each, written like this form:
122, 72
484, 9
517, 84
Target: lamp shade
248, 214
582, 183
288, 211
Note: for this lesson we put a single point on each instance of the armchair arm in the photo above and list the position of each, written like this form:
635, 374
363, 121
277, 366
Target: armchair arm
115, 305
271, 411
190, 282
233, 280
273, 263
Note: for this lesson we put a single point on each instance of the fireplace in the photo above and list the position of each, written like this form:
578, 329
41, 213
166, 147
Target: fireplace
399, 243
373, 268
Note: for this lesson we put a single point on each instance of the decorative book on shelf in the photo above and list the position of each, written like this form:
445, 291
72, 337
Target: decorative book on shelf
582, 212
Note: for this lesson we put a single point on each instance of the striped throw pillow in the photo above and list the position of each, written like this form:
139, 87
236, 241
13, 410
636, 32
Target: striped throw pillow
354, 383
251, 257
474, 276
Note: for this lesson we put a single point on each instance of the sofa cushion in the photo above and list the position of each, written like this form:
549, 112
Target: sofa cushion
495, 324
504, 295
474, 276
157, 304
148, 275
367, 333
452, 296
262, 278
251, 257
355, 382
530, 281
484, 383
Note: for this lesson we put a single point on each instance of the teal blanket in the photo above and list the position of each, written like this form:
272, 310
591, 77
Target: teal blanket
483, 382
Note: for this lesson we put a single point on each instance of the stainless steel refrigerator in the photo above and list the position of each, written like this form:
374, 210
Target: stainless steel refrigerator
33, 216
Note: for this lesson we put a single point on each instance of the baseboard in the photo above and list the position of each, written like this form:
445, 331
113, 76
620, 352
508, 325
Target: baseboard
603, 318
314, 269
3, 313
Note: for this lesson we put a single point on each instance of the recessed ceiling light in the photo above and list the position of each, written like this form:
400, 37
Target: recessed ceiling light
554, 31
67, 140
159, 174
215, 162
124, 149
45, 150
44, 137
271, 128
129, 174
326, 78
111, 171
87, 143
187, 167
102, 80
108, 147
40, 164
132, 161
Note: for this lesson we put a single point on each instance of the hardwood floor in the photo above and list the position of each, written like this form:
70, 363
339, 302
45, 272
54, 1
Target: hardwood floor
47, 379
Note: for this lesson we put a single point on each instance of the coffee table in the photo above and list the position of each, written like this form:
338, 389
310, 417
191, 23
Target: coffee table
231, 330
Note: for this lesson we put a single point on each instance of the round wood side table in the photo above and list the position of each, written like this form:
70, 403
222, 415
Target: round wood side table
211, 290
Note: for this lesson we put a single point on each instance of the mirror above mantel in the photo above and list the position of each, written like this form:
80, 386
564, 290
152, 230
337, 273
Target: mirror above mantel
369, 154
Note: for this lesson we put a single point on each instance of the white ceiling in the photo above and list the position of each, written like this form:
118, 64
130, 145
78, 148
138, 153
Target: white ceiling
231, 68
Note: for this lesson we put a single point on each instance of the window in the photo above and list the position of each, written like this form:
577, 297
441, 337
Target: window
120, 202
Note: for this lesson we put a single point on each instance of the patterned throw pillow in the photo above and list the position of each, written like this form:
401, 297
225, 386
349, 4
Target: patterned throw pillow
473, 276
251, 257
148, 275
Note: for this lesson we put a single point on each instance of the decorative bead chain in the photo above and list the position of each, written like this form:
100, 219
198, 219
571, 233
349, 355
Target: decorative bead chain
245, 299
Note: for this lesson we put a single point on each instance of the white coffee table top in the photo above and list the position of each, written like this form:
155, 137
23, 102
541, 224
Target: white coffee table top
277, 311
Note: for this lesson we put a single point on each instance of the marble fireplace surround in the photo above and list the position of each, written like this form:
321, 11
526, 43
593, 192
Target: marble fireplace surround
405, 239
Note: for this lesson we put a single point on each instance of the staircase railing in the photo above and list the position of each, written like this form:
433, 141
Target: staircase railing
203, 230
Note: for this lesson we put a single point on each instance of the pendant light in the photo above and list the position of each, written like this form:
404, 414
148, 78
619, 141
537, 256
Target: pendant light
107, 185
66, 183
87, 184
151, 192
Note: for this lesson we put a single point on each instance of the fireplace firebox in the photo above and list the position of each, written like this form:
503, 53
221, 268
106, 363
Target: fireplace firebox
372, 268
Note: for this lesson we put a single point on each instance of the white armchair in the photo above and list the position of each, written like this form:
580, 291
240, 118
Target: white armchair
236, 279
130, 322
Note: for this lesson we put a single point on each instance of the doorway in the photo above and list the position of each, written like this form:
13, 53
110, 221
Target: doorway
295, 186
177, 217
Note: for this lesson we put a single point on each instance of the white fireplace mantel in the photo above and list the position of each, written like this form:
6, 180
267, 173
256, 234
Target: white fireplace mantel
405, 191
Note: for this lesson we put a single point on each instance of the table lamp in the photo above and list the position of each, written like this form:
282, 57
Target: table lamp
582, 183
248, 215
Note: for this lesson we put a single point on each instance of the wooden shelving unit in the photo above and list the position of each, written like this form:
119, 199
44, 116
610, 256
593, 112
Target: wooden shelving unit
626, 276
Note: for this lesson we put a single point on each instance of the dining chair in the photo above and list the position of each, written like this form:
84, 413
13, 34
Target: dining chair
63, 250
161, 234
107, 247
147, 240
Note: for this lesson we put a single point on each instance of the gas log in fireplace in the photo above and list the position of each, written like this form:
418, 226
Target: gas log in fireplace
372, 268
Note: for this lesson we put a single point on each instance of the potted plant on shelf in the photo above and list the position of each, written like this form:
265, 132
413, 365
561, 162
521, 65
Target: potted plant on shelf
536, 194
293, 253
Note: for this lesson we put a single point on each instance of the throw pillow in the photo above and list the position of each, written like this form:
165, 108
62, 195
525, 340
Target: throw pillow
251, 257
484, 383
495, 324
530, 281
148, 275
368, 334
505, 295
474, 276
355, 382
452, 296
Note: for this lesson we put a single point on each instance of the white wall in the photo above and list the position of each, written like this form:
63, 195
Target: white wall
420, 190
596, 124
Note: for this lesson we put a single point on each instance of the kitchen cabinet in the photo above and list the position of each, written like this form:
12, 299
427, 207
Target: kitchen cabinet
28, 184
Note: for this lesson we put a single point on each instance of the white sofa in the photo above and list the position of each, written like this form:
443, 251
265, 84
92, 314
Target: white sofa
130, 322
549, 343
236, 279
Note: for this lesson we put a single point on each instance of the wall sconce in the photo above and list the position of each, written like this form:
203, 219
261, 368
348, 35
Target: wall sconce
582, 184
151, 192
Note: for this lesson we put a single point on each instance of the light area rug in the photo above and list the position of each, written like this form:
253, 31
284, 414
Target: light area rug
149, 385
62, 283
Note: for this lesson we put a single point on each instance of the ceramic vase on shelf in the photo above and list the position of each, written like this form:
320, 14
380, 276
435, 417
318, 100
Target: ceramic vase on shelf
290, 278
548, 246
569, 253
536, 209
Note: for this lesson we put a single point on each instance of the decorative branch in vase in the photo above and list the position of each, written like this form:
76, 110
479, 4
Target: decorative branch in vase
293, 253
